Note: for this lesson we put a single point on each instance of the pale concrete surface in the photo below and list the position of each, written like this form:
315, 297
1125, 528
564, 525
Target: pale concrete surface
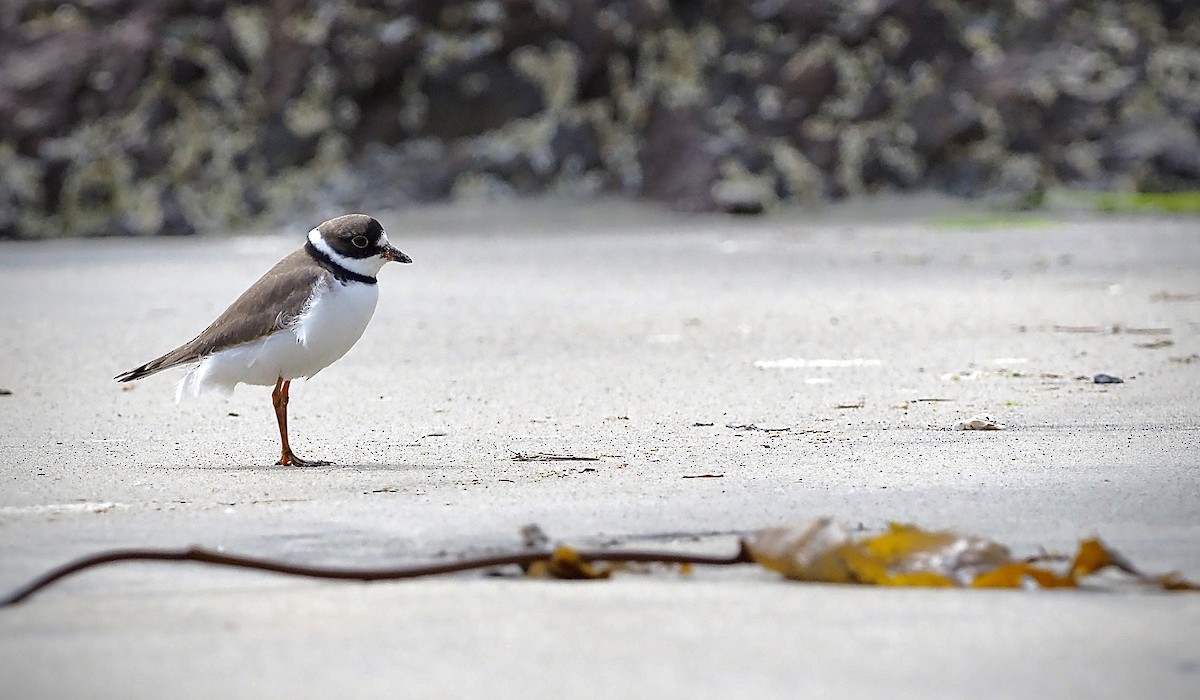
632, 336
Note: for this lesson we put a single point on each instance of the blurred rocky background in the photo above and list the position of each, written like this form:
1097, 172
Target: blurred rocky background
143, 117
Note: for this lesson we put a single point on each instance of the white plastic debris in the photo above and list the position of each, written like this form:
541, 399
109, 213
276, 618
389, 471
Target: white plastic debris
979, 421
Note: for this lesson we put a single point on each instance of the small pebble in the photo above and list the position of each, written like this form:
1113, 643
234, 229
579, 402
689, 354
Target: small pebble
1107, 379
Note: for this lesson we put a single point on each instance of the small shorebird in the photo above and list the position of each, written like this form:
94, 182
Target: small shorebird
295, 321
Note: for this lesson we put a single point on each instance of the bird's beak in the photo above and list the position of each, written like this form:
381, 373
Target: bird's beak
394, 255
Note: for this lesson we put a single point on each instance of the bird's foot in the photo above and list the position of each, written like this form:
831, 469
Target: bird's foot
289, 459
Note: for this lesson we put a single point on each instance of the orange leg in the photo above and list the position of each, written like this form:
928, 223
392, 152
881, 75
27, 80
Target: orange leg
279, 399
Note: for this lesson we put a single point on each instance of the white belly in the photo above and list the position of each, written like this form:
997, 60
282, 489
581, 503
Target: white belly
333, 323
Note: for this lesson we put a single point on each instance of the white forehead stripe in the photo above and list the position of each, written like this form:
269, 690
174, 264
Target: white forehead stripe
368, 267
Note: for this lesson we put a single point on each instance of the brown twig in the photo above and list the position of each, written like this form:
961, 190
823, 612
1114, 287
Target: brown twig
207, 556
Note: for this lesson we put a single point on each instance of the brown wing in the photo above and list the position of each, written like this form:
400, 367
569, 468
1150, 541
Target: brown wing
270, 304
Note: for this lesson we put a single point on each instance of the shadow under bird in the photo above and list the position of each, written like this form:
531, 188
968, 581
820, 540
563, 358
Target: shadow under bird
296, 320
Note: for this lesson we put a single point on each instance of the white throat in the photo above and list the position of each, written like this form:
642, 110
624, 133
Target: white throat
368, 267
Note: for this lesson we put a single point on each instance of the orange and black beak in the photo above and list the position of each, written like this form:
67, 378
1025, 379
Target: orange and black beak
394, 254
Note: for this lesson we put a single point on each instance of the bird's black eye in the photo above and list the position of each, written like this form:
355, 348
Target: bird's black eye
359, 241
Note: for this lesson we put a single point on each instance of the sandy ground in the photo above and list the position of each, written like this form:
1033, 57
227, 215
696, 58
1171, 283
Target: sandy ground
657, 344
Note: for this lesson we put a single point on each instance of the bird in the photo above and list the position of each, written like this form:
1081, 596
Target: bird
305, 313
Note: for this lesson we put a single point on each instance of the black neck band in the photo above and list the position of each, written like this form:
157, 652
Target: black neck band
341, 273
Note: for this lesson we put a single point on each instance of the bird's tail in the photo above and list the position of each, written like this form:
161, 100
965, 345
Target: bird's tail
156, 365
